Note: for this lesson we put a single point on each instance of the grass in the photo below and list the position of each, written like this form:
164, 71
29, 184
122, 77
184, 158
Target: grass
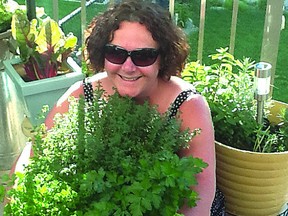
91, 11
281, 76
248, 42
65, 7
250, 25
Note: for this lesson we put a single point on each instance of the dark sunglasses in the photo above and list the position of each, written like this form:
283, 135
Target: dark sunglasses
140, 57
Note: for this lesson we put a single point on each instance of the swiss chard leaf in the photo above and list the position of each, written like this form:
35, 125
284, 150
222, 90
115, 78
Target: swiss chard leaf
42, 45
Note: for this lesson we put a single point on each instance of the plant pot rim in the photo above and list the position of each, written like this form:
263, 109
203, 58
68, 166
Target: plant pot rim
36, 86
229, 148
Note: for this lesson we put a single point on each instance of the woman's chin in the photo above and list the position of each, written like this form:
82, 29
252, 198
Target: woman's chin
126, 93
132, 94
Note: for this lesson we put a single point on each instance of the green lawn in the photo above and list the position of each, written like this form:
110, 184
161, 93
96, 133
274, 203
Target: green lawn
250, 25
217, 33
65, 7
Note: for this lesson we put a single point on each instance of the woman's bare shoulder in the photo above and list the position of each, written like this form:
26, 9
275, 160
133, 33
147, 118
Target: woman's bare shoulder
98, 77
195, 106
182, 84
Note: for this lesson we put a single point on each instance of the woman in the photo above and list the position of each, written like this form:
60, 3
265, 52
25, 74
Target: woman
138, 52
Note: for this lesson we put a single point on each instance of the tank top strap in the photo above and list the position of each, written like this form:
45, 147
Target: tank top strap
183, 96
88, 91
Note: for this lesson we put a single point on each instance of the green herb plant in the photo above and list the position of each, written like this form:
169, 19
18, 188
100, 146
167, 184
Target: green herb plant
111, 157
227, 85
281, 130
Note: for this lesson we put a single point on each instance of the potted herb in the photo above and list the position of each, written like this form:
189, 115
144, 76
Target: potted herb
252, 158
43, 52
119, 158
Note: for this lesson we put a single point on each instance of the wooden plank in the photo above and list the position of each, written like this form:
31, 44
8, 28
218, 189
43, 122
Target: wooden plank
55, 10
201, 31
83, 20
171, 8
233, 26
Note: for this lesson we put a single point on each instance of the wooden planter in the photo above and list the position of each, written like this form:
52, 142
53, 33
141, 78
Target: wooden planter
254, 184
36, 94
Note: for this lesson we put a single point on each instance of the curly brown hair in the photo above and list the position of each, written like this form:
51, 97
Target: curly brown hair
172, 41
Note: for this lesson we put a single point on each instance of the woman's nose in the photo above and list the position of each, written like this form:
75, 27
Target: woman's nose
128, 65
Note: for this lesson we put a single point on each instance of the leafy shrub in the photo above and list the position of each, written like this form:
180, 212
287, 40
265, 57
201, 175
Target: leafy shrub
229, 106
243, 5
112, 158
262, 4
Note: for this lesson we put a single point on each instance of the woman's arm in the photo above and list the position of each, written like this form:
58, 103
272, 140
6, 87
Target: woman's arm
23, 159
62, 104
195, 113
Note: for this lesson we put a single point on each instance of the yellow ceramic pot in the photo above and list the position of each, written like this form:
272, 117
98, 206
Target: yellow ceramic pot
254, 184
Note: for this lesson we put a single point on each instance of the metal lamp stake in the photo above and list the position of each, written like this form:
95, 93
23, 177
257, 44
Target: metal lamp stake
262, 87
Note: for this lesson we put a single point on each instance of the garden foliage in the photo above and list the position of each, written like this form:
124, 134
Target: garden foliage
228, 87
5, 17
41, 45
113, 157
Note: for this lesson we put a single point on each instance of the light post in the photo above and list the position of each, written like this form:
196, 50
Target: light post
262, 87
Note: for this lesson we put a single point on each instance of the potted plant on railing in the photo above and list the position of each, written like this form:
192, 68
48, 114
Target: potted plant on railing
252, 158
41, 73
119, 158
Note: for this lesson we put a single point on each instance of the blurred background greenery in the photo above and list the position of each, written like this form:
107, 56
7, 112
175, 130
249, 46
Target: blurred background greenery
250, 25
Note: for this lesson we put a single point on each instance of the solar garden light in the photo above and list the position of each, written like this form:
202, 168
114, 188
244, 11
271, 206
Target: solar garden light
262, 87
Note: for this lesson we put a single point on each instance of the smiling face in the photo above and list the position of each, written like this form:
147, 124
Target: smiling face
129, 79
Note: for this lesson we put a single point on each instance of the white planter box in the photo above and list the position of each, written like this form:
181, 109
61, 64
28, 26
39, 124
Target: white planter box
42, 92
